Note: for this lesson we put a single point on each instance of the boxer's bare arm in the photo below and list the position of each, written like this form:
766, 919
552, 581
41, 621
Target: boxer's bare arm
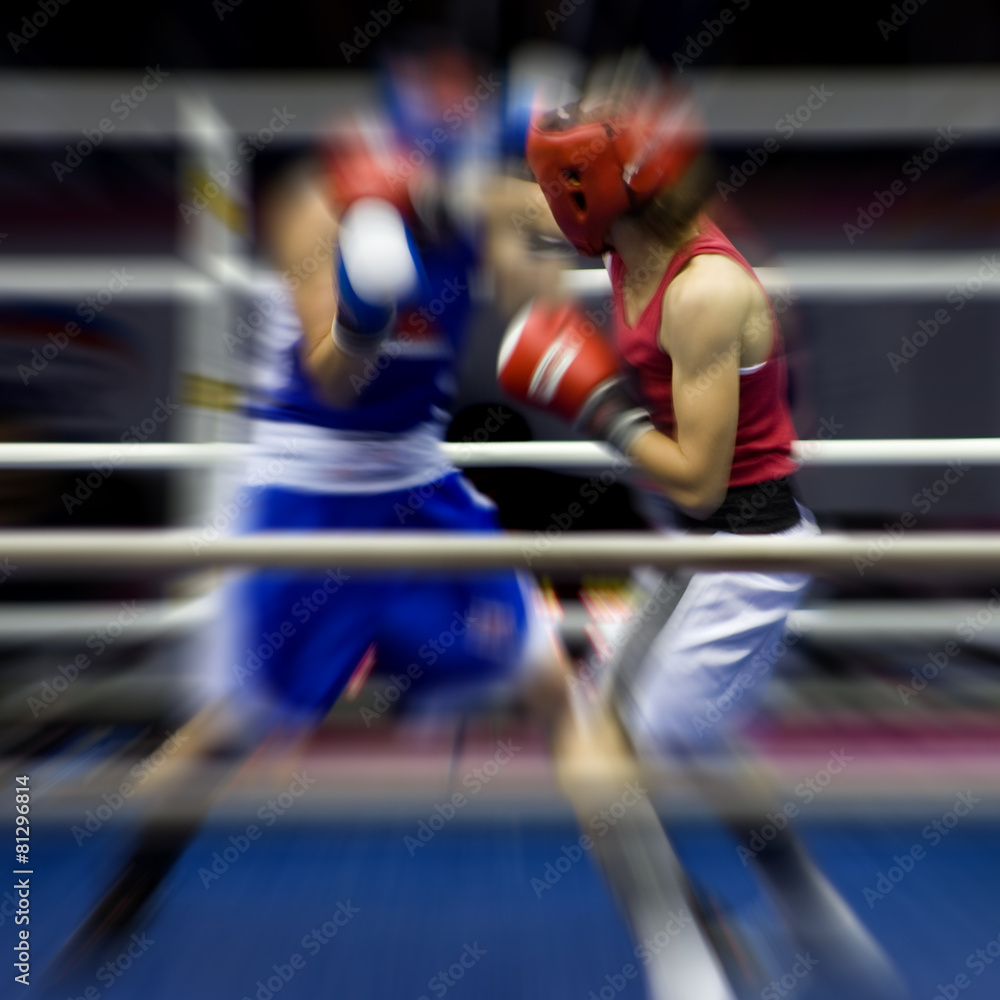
705, 312
516, 214
300, 231
510, 201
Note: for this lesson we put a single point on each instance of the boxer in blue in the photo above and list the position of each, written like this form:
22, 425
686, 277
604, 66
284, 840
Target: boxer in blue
352, 412
348, 402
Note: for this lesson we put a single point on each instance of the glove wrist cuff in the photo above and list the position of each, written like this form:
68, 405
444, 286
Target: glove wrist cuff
626, 428
360, 343
612, 414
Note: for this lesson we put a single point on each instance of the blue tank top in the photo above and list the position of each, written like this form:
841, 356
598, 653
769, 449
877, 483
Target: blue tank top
411, 382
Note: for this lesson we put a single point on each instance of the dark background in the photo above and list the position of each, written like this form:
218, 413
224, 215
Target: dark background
306, 34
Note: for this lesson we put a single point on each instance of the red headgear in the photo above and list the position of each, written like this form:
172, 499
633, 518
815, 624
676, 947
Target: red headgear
594, 168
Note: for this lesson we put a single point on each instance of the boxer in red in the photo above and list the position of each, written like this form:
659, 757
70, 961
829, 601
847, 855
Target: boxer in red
693, 393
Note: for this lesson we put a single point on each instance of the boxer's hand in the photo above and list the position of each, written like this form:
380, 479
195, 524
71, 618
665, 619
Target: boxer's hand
553, 358
364, 164
377, 265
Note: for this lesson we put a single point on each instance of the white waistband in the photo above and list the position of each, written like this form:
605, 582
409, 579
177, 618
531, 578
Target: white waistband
324, 460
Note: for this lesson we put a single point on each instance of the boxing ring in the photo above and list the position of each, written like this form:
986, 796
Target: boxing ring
427, 550
336, 868
390, 812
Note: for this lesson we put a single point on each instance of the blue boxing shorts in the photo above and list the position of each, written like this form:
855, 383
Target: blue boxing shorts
301, 634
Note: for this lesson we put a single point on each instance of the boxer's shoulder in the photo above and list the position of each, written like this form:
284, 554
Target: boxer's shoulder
706, 304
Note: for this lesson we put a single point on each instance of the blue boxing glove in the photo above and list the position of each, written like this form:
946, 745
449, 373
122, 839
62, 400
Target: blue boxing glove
377, 266
540, 77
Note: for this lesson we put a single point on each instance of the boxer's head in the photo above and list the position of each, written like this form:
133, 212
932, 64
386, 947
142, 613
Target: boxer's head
605, 157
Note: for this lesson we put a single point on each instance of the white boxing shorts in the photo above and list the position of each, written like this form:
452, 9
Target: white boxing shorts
699, 656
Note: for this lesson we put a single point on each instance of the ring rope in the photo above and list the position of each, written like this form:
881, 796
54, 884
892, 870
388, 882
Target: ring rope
590, 455
556, 550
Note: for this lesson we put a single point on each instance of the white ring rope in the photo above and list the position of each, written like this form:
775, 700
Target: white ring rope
430, 550
871, 275
871, 105
844, 275
78, 620
846, 622
589, 455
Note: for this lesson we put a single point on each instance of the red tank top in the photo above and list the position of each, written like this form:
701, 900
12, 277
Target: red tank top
764, 432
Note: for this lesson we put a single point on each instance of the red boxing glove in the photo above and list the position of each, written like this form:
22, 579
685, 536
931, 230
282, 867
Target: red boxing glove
362, 165
553, 358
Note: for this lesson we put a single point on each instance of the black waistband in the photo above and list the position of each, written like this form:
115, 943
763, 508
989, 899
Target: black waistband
757, 509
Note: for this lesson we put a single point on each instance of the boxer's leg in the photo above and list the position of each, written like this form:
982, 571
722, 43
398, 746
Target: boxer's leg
698, 678
294, 641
